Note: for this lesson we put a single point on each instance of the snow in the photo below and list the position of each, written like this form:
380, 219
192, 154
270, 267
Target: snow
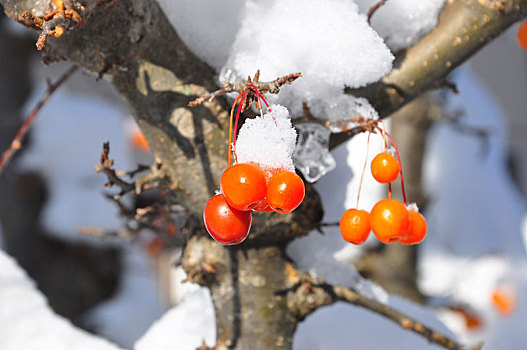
28, 322
183, 327
115, 319
471, 252
289, 36
471, 172
401, 23
268, 141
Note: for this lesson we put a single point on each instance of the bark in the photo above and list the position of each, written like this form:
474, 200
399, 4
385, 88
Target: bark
132, 41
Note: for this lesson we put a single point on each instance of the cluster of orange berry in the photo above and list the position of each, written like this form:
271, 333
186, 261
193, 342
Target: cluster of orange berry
390, 220
245, 187
249, 186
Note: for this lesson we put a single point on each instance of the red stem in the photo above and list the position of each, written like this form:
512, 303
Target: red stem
17, 141
363, 169
400, 165
236, 125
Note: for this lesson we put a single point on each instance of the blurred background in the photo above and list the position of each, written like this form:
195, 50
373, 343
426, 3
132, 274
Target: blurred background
466, 160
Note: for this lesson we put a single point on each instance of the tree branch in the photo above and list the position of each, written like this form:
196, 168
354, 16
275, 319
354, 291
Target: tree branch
309, 294
465, 26
17, 141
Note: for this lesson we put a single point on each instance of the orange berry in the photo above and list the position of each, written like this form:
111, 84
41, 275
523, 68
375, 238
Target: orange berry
416, 229
504, 300
243, 186
385, 168
522, 35
389, 220
355, 226
139, 141
285, 192
225, 224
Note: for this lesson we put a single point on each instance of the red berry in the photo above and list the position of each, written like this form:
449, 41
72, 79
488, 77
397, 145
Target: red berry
225, 224
522, 35
389, 220
285, 192
416, 229
385, 168
355, 226
243, 186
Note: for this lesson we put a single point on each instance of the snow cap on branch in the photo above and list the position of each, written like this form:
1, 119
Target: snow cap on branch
328, 41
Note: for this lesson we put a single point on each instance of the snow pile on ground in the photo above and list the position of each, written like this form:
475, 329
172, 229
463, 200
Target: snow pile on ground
268, 141
27, 321
183, 327
135, 306
403, 22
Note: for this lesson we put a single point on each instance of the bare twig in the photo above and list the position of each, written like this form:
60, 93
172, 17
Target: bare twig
105, 167
309, 294
375, 8
17, 141
272, 87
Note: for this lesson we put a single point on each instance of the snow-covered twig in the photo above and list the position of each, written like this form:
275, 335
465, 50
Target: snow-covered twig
309, 294
17, 141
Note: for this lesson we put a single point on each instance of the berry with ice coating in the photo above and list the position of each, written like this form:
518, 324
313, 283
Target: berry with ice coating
225, 224
385, 168
355, 226
285, 192
243, 186
389, 220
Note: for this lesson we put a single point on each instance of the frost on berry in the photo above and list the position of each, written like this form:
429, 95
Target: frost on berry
268, 141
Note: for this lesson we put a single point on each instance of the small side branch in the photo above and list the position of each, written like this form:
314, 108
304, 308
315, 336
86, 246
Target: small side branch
375, 8
16, 144
309, 294
272, 87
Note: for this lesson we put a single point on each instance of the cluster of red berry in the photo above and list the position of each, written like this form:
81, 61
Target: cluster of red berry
390, 220
246, 187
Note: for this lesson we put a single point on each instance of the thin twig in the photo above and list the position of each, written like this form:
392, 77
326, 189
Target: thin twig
105, 167
272, 87
309, 294
17, 141
375, 8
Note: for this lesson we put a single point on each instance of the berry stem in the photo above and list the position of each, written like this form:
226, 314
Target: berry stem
230, 129
363, 169
236, 125
401, 165
383, 132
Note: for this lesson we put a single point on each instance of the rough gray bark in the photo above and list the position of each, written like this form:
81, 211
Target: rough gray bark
132, 41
